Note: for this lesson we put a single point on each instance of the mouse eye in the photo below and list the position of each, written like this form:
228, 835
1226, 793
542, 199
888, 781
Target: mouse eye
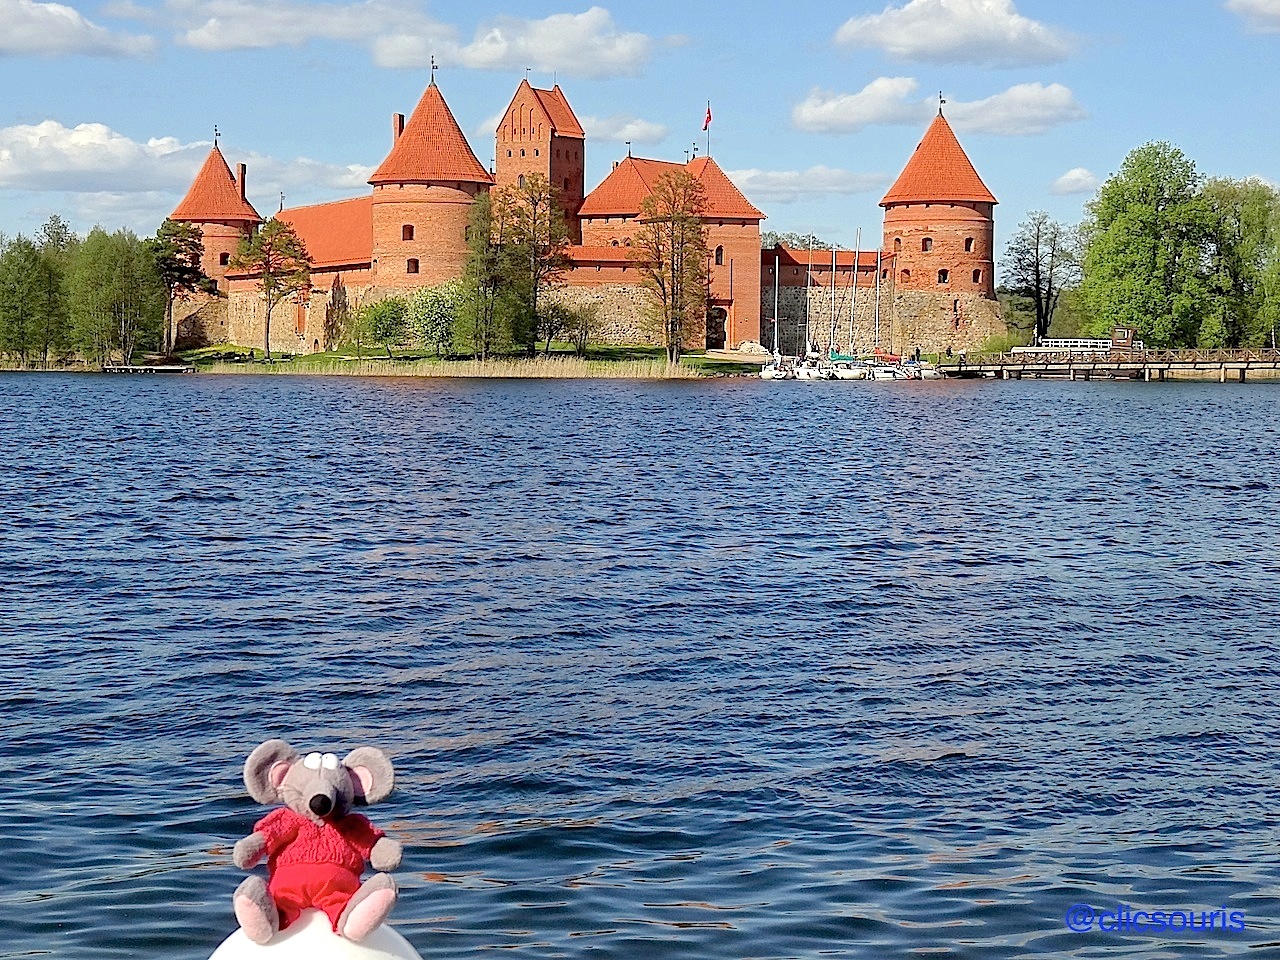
329, 761
312, 762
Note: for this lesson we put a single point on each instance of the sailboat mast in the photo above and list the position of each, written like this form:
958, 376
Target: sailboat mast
853, 307
777, 278
831, 344
878, 300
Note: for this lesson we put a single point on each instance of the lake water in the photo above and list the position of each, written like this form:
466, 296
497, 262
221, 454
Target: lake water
714, 669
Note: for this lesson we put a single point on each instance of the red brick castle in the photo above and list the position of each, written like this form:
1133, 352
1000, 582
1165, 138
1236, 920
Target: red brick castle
931, 285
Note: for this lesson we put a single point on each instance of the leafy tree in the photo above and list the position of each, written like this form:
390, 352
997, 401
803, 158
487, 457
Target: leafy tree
537, 258
796, 241
117, 296
1040, 260
484, 321
384, 322
433, 313
22, 277
177, 249
1146, 236
671, 246
1244, 239
276, 255
581, 323
58, 244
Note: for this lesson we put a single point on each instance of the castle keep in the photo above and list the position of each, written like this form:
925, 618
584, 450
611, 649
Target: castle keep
930, 284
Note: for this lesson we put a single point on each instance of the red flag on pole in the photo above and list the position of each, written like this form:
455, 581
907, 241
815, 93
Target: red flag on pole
707, 122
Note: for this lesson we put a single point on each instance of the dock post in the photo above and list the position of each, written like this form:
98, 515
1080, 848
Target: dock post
1242, 373
1072, 371
1146, 374
1222, 374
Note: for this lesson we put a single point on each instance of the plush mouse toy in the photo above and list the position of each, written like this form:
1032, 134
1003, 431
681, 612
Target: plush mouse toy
316, 848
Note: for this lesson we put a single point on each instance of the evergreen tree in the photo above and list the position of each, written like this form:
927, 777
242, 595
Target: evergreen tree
671, 246
276, 255
177, 249
1146, 237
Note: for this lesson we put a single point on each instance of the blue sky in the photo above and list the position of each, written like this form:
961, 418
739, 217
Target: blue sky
108, 108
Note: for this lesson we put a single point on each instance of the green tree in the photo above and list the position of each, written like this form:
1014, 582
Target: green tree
58, 244
671, 247
22, 304
433, 314
537, 259
1245, 216
117, 296
1039, 261
177, 249
276, 255
484, 321
1145, 244
384, 322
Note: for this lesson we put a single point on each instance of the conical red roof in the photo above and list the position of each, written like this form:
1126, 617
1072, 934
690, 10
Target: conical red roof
623, 191
215, 195
431, 148
724, 199
938, 171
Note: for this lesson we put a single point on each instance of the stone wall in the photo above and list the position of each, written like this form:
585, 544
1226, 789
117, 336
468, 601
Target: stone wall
907, 320
622, 312
200, 321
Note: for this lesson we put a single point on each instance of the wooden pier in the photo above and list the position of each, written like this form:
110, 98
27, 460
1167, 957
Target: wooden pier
159, 368
1220, 365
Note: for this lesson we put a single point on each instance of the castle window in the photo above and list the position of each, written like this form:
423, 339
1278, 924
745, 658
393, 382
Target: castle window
944, 276
926, 244
968, 244
626, 242
411, 266
906, 275
897, 244
566, 184
614, 244
508, 153
522, 153
536, 152
520, 179
406, 232
719, 256
884, 274
224, 259
977, 276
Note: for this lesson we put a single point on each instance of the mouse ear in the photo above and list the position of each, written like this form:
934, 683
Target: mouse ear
372, 775
265, 770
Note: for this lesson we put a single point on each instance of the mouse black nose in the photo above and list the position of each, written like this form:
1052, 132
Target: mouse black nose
320, 805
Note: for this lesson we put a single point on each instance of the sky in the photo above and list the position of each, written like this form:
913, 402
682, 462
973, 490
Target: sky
108, 109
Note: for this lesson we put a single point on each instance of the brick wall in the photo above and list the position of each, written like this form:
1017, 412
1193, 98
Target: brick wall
928, 239
437, 216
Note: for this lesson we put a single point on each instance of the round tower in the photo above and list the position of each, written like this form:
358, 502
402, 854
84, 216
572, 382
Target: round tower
422, 197
938, 220
216, 204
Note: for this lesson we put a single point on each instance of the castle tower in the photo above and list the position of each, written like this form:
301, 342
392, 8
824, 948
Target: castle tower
217, 205
422, 197
938, 221
540, 134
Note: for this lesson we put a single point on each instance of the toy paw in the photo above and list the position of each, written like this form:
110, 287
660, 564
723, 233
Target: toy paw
255, 911
368, 908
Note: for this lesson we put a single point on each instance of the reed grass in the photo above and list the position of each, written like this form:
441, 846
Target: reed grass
543, 368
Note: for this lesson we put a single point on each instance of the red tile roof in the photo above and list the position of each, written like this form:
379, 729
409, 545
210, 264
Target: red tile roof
820, 259
723, 198
624, 189
215, 195
431, 149
336, 234
938, 171
563, 121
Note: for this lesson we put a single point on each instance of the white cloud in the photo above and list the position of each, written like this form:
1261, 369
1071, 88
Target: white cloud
101, 171
882, 101
621, 128
28, 28
1261, 15
1076, 180
788, 186
980, 32
585, 44
1022, 110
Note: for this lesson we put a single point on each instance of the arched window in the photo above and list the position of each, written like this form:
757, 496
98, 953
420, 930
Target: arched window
897, 244
719, 256
926, 244
520, 179
906, 275
614, 243
566, 184
522, 152
944, 276
968, 244
224, 259
977, 276
406, 232
411, 266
